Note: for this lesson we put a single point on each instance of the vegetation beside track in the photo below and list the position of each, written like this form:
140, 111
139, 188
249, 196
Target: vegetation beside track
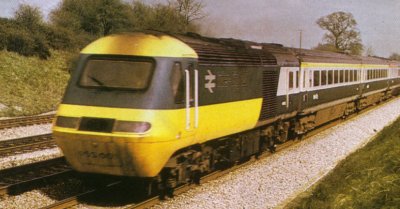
30, 85
369, 178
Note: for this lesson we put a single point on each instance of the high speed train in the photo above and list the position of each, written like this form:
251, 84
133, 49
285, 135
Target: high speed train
139, 103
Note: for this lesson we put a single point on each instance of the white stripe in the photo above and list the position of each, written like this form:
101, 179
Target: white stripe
187, 76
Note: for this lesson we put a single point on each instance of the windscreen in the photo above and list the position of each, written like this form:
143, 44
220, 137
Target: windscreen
118, 74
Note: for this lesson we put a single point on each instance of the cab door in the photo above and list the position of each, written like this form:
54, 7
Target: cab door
191, 98
185, 86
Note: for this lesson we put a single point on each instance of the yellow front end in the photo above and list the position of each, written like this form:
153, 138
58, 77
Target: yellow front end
127, 154
145, 154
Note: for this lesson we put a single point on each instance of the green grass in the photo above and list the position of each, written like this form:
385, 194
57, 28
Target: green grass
29, 85
369, 178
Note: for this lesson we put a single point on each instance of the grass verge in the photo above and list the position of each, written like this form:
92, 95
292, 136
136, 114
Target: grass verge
29, 85
368, 178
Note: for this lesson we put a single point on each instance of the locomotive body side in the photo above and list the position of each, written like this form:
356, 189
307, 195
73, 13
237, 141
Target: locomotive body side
133, 132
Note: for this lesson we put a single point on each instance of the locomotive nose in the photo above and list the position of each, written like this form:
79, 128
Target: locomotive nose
105, 125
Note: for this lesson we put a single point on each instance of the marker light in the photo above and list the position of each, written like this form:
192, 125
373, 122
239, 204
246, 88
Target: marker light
131, 126
67, 122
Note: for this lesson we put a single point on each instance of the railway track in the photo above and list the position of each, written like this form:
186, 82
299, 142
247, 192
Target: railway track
75, 200
140, 201
17, 179
26, 121
26, 144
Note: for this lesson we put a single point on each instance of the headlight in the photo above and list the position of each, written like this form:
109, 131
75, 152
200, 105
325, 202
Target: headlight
132, 126
67, 122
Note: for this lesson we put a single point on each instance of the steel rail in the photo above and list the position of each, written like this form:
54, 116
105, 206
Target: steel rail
74, 200
26, 144
18, 178
26, 121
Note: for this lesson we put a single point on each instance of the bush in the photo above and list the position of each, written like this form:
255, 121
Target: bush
25, 43
60, 38
20, 41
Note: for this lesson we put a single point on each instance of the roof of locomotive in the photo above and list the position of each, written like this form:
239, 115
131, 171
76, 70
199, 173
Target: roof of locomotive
141, 44
228, 52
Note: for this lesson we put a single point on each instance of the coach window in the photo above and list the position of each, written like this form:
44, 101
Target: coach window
305, 77
178, 82
346, 77
330, 77
291, 80
351, 75
356, 75
336, 76
323, 77
297, 78
316, 78
341, 76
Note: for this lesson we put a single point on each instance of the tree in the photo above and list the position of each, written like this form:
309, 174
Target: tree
95, 17
191, 10
165, 18
395, 56
159, 17
25, 33
369, 52
342, 32
29, 17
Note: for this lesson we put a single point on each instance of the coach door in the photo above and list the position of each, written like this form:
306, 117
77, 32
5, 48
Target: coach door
191, 98
293, 88
303, 96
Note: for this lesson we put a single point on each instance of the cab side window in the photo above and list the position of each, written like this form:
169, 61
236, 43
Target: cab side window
177, 81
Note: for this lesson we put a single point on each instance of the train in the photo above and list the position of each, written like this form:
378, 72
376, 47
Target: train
142, 103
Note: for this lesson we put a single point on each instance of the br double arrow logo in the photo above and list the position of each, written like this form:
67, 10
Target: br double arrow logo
210, 81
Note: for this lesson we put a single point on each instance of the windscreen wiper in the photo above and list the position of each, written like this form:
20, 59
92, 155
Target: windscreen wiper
100, 83
96, 80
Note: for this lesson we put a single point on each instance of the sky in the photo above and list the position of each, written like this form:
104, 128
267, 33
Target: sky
280, 21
